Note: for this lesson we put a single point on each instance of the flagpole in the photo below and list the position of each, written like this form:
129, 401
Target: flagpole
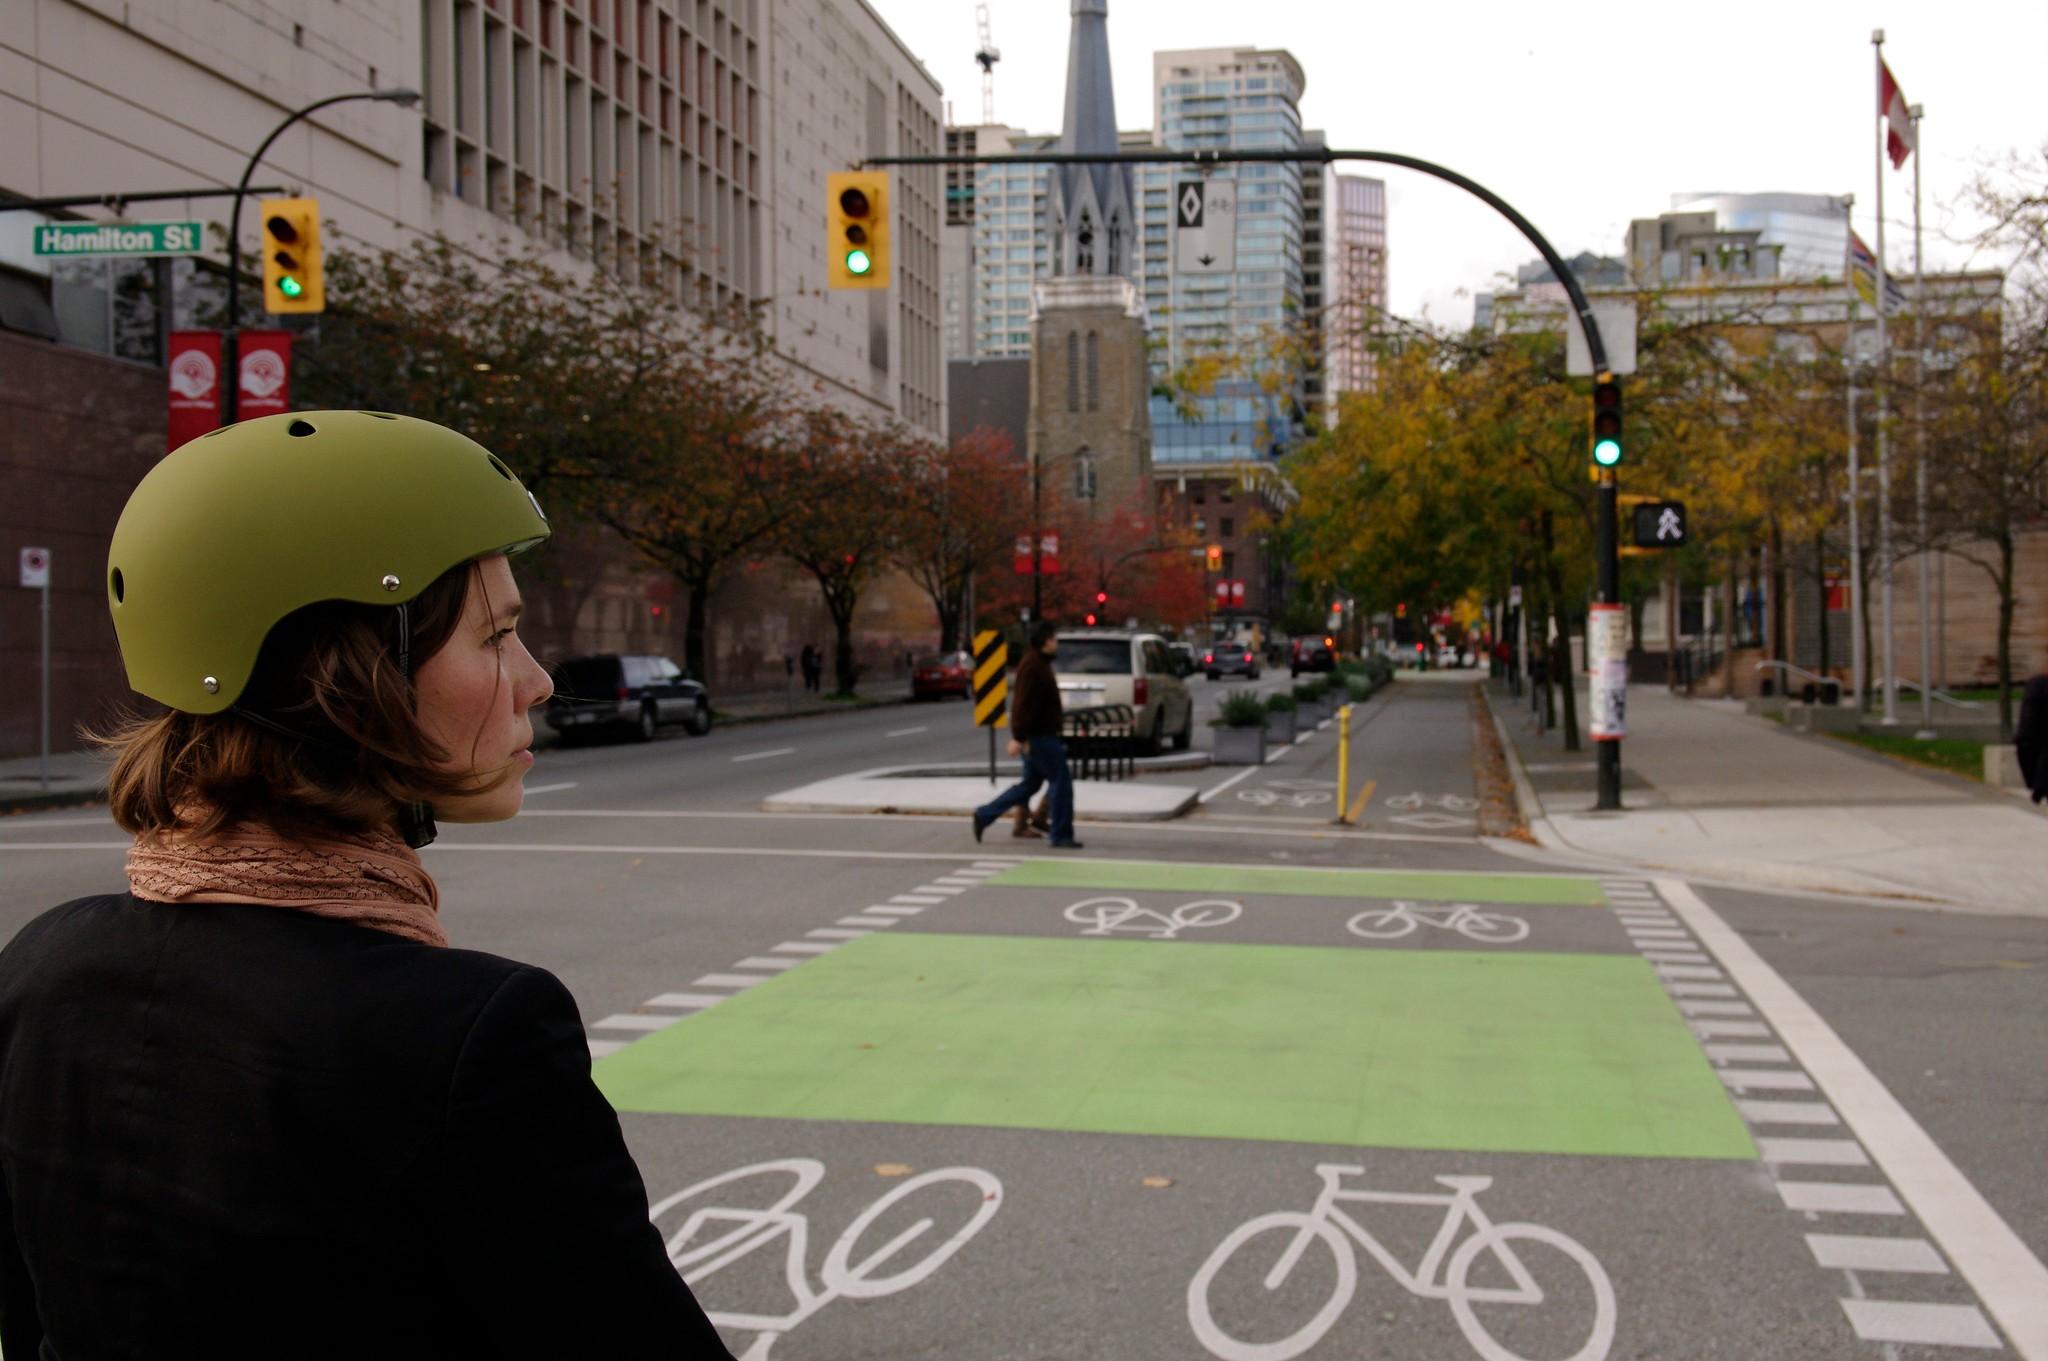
1884, 467
1920, 447
1858, 663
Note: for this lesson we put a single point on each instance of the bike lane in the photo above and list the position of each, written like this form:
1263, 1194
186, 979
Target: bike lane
1138, 1109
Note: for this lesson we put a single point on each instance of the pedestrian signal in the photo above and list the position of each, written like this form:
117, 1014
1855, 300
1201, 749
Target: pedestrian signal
1215, 557
857, 229
292, 277
1607, 420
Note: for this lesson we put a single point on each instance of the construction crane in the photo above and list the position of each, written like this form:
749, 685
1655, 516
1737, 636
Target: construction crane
987, 56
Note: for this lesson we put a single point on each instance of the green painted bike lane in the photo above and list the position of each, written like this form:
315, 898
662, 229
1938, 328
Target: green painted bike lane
1512, 1051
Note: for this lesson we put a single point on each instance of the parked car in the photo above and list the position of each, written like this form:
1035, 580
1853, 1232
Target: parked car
943, 674
1183, 658
1116, 666
1227, 658
613, 693
1312, 654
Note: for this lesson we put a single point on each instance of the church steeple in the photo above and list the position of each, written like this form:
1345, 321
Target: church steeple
1092, 204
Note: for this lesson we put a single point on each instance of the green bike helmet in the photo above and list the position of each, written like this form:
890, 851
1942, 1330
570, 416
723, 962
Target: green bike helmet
237, 529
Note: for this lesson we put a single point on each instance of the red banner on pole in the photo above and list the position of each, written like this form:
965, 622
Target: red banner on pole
194, 387
266, 374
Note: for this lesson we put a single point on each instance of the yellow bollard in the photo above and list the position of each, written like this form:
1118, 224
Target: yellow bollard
1343, 762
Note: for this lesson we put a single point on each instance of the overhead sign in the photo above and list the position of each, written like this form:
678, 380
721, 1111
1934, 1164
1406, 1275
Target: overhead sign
1205, 227
35, 568
991, 685
1659, 524
119, 238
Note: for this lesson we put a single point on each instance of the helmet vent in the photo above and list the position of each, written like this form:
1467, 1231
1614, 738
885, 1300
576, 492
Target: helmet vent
503, 471
381, 415
116, 584
299, 428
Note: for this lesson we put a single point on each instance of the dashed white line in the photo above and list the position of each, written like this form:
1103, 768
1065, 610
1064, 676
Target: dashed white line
634, 1021
837, 933
763, 755
1675, 956
1788, 1112
858, 920
919, 899
1703, 990
1709, 1030
766, 962
1688, 971
693, 1001
1748, 1053
1840, 1198
891, 910
1863, 1252
808, 947
1691, 1008
1813, 1152
1934, 1325
728, 980
907, 732
1767, 1079
600, 1048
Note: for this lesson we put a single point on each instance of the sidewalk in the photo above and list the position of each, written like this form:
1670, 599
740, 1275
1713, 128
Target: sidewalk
1712, 792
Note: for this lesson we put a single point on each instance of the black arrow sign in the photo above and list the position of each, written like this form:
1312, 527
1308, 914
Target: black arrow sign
1205, 259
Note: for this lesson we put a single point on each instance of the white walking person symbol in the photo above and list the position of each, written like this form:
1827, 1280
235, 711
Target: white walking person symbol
1669, 526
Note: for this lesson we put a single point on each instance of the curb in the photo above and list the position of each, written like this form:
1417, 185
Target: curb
56, 798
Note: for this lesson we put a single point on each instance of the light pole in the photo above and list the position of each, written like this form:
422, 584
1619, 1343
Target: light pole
231, 378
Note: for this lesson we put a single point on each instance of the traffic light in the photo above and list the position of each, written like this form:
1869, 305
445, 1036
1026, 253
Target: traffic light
1607, 420
1215, 557
1401, 610
857, 229
1091, 620
1101, 598
292, 278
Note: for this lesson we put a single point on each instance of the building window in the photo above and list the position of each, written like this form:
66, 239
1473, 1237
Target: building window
1229, 527
1094, 375
1229, 563
1084, 476
1073, 371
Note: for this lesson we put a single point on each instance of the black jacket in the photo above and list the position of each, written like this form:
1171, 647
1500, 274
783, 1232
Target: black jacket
240, 1131
1035, 702
2031, 737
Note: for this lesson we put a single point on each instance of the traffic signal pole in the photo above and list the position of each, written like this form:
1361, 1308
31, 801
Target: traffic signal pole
230, 349
1608, 551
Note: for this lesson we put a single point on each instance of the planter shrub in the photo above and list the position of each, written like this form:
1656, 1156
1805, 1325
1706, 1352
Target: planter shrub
1239, 746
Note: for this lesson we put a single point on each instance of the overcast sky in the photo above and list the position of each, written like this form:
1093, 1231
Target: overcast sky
1581, 116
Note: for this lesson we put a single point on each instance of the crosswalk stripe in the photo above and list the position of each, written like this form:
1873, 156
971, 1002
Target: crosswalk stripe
891, 910
867, 921
728, 980
807, 947
838, 933
690, 1001
1688, 971
1716, 1008
766, 962
1813, 1152
599, 1048
1748, 1053
1934, 1325
626, 1020
1712, 1030
1787, 1112
1676, 956
1767, 1079
1865, 1252
938, 893
957, 881
1837, 1197
1702, 990
919, 899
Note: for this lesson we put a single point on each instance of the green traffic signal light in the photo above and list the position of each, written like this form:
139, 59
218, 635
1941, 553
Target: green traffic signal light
858, 262
290, 287
1607, 452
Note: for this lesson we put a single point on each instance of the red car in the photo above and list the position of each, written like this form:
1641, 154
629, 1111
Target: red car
942, 674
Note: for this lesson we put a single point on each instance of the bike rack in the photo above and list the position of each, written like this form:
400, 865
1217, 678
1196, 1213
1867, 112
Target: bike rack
1102, 742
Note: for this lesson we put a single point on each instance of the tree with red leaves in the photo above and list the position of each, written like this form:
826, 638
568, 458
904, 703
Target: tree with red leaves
966, 505
848, 492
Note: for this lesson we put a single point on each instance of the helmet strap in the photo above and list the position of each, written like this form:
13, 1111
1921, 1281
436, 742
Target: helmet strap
415, 820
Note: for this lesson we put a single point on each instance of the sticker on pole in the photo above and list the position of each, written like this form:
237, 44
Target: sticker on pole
35, 568
1607, 665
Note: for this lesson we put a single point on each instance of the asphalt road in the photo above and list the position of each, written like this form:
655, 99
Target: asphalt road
1192, 1092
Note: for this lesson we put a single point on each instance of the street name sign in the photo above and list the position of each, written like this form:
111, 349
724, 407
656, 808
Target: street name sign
1205, 227
119, 238
1659, 524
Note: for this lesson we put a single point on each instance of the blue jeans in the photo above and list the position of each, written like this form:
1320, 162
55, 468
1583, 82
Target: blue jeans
1045, 763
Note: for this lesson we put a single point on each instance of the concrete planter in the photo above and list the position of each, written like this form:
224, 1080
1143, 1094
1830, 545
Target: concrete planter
1240, 746
2002, 767
1280, 726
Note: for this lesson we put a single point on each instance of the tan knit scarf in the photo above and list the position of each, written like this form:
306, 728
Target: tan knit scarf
372, 880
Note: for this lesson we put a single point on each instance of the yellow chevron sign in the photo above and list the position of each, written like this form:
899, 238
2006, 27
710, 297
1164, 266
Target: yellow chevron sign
991, 683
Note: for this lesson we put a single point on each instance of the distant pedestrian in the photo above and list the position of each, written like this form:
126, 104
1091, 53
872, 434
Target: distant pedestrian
1035, 717
813, 665
2032, 736
252, 1104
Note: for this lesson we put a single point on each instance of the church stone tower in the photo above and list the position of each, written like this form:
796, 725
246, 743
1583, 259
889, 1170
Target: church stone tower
1090, 436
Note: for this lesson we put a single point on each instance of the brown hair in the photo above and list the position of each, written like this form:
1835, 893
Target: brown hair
328, 671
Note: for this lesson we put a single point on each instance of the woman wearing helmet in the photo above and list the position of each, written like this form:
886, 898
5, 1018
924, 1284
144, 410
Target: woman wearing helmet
255, 1106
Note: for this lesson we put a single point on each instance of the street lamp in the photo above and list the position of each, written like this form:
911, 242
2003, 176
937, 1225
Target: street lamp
231, 379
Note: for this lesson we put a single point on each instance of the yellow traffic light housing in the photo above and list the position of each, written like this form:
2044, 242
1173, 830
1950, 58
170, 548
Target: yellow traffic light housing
1215, 557
857, 229
292, 277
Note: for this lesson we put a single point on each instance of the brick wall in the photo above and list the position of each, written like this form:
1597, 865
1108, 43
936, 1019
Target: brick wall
77, 431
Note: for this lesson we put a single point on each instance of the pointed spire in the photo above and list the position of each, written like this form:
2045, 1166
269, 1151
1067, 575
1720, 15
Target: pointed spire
1092, 204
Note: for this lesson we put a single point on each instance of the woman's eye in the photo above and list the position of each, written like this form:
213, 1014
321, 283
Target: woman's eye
498, 639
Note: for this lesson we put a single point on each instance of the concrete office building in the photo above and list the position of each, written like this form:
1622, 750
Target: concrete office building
682, 143
1354, 298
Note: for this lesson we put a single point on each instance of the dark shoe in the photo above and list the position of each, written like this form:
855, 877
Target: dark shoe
1043, 824
1068, 845
980, 825
1027, 832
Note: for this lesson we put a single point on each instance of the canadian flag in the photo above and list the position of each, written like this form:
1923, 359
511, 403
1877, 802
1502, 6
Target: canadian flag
1900, 140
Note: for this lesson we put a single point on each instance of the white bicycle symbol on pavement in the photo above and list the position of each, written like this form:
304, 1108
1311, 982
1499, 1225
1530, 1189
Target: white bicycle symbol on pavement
1298, 798
1442, 1274
1108, 916
753, 1228
1456, 803
1467, 919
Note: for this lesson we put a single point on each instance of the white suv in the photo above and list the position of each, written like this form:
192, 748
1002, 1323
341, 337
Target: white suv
1112, 666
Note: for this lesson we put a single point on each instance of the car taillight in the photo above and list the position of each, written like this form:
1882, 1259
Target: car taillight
1247, 656
1138, 691
625, 692
1208, 656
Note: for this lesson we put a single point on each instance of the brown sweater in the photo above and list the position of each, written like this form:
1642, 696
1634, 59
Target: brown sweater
1035, 701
